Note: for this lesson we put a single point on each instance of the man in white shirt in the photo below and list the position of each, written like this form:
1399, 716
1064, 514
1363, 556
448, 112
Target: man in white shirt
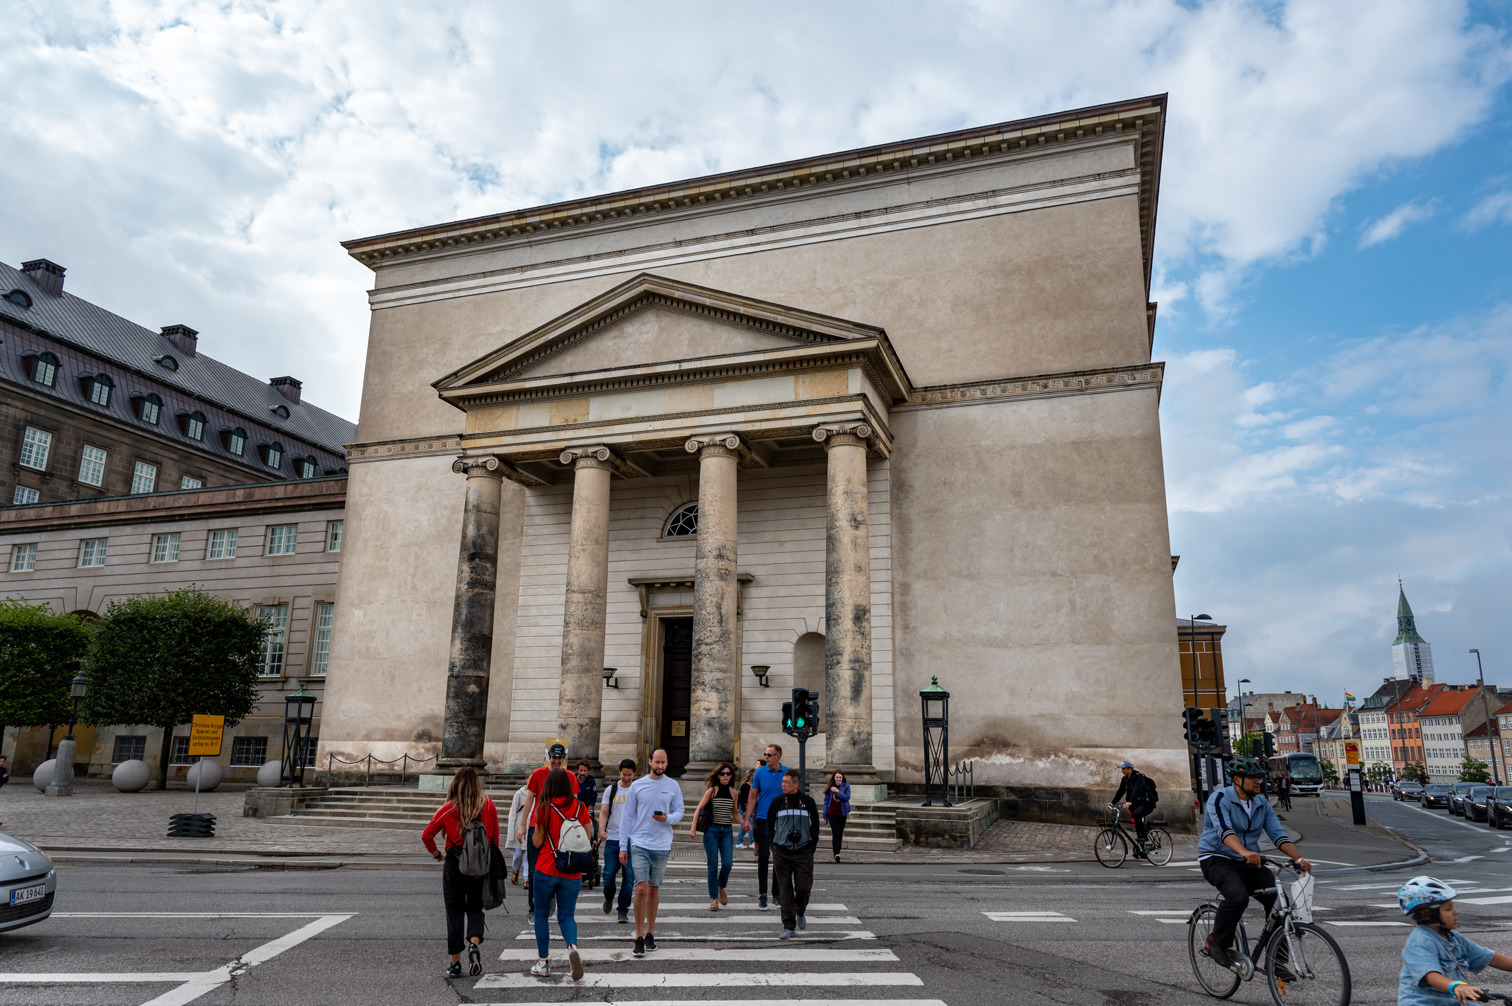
611, 815
653, 806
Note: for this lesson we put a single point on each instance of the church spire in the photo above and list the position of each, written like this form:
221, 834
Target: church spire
1406, 624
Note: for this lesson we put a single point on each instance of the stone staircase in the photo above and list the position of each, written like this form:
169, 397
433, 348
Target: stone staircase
871, 827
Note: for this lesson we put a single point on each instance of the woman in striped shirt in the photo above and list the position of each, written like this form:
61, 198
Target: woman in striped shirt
718, 815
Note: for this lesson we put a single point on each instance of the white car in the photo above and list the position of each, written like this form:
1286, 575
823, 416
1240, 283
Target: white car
27, 883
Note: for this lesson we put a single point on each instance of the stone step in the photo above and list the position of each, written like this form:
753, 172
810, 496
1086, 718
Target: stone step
320, 821
864, 844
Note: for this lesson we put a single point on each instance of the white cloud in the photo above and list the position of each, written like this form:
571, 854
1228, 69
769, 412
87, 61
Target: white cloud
1494, 209
1393, 223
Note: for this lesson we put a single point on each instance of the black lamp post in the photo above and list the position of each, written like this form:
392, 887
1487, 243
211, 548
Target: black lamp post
78, 688
299, 715
936, 702
1491, 731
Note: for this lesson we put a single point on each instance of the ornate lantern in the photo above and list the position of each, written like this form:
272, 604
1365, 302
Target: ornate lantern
299, 716
936, 702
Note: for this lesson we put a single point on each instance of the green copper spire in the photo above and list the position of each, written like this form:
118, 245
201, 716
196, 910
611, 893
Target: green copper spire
1406, 624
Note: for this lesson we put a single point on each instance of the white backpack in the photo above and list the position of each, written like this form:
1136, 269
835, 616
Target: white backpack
572, 850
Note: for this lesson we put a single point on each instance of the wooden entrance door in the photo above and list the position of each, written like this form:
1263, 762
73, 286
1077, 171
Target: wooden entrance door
677, 691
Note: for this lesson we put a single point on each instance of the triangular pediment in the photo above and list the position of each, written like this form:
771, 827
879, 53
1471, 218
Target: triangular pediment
650, 320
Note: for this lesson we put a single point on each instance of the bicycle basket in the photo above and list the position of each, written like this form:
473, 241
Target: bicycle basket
1301, 892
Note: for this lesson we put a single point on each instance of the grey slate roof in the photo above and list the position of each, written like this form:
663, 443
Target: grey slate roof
110, 336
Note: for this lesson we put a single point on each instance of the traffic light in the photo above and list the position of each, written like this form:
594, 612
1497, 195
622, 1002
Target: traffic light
803, 714
1219, 716
1207, 733
787, 717
1270, 744
1190, 718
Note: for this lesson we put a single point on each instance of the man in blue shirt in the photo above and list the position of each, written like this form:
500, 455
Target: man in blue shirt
766, 786
1229, 855
1436, 960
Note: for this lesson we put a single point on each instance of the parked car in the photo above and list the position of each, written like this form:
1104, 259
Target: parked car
1406, 789
1457, 795
1436, 795
1475, 803
27, 883
1499, 808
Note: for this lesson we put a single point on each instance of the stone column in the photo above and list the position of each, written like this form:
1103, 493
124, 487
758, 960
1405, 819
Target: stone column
712, 727
847, 607
63, 773
580, 705
466, 712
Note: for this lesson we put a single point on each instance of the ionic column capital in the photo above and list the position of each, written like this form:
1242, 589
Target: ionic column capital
480, 467
843, 435
714, 445
597, 456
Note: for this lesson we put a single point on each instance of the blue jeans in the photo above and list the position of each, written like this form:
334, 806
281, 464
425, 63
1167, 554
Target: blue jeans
611, 868
719, 844
746, 836
545, 889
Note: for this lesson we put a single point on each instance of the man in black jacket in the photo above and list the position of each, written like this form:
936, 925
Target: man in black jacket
792, 826
1141, 798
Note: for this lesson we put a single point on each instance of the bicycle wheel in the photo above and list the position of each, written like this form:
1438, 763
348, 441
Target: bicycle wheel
1308, 968
1110, 848
1158, 846
1215, 979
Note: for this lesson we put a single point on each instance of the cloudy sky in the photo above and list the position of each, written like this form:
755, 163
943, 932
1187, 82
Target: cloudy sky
1334, 239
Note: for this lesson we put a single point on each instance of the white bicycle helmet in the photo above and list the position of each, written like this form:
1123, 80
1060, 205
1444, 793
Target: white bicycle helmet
1420, 891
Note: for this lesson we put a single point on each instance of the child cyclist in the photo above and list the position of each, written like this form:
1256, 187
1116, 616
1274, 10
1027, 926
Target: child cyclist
1437, 961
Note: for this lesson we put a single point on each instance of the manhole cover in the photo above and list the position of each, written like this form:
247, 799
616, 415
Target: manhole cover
985, 873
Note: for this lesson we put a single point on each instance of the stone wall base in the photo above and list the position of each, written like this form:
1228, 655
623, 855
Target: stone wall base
277, 801
939, 827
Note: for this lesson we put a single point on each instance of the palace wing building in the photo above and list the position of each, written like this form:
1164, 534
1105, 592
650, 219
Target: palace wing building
631, 467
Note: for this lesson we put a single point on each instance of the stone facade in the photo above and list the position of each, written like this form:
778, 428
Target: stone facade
909, 389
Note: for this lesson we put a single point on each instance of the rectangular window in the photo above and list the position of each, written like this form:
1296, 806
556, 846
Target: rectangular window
92, 466
143, 477
275, 457
23, 558
150, 410
165, 547
307, 749
190, 482
24, 496
44, 371
333, 535
236, 443
248, 752
277, 618
195, 428
281, 539
129, 747
222, 544
307, 469
99, 392
178, 754
325, 615
92, 552
34, 448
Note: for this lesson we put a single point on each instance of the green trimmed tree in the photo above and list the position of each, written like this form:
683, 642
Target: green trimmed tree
1416, 772
1472, 770
1330, 771
40, 653
159, 659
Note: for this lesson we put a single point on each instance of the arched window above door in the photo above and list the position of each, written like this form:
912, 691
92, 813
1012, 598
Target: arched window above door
683, 523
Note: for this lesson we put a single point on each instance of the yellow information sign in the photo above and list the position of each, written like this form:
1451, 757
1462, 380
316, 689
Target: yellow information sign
1351, 753
205, 735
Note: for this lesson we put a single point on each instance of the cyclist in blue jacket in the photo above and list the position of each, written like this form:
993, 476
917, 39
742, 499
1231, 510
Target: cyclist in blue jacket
1228, 852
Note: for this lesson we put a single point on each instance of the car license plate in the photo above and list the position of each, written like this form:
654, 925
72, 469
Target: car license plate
22, 895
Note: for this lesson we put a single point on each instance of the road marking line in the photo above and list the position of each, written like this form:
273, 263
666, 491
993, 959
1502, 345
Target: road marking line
1446, 820
1173, 922
194, 915
210, 980
731, 954
1027, 917
1183, 912
767, 937
1503, 900
749, 1002
1186, 862
1335, 922
653, 980
714, 919
832, 906
80, 978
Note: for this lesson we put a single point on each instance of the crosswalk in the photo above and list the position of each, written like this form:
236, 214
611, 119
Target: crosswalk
735, 948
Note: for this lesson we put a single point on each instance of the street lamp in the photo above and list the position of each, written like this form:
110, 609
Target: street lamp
609, 673
936, 702
760, 670
77, 688
1243, 730
299, 714
62, 780
1490, 723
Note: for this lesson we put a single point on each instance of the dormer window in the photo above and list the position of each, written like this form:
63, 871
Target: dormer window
20, 298
45, 369
149, 407
166, 362
193, 424
100, 387
281, 411
272, 455
307, 468
235, 440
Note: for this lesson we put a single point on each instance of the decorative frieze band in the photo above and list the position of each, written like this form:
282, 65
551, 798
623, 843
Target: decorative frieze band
404, 448
1050, 385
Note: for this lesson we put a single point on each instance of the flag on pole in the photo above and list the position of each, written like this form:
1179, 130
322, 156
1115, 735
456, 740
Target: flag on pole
1348, 697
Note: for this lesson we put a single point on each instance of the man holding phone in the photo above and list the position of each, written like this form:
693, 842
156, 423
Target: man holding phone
653, 805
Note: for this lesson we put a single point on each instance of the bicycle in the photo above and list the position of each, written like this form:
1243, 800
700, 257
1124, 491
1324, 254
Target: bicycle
1113, 843
1302, 963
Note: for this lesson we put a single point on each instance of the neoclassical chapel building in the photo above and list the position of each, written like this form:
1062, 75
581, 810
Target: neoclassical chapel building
854, 421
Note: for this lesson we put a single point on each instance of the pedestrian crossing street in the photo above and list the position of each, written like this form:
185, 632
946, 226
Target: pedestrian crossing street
713, 953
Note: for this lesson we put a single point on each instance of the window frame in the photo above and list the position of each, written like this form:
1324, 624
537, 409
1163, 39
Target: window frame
139, 749
98, 464
320, 646
241, 744
287, 538
335, 532
275, 643
49, 378
137, 477
99, 552
96, 395
194, 426
236, 441
27, 441
676, 517
34, 495
23, 557
307, 467
20, 298
228, 537
272, 454
155, 403
185, 479
172, 541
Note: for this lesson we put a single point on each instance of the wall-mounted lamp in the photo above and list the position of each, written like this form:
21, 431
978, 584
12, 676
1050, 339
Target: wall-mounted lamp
760, 670
609, 673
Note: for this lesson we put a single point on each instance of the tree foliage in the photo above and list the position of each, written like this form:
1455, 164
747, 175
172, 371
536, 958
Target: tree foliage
40, 653
161, 658
1330, 770
1472, 770
1416, 772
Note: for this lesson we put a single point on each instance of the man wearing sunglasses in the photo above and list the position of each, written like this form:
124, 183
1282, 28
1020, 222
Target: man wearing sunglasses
766, 786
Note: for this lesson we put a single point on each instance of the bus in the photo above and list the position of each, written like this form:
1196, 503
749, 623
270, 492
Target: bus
1305, 772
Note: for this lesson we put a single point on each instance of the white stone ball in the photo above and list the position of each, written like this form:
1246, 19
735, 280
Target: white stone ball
42, 778
130, 776
208, 772
271, 773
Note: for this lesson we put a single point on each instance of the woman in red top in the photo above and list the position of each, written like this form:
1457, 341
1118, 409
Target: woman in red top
558, 806
465, 803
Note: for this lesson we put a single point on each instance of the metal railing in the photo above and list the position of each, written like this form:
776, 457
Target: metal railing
369, 761
962, 777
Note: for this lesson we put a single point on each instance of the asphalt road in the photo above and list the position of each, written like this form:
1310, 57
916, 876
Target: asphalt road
1072, 933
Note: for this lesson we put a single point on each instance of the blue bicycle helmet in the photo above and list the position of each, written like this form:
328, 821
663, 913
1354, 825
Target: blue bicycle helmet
1420, 891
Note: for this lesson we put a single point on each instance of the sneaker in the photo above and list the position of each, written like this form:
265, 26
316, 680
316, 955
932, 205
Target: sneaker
837, 857
542, 969
762, 904
474, 960
724, 899
608, 902
786, 934
1219, 955
454, 969
624, 917
577, 963
802, 922
650, 941
640, 948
